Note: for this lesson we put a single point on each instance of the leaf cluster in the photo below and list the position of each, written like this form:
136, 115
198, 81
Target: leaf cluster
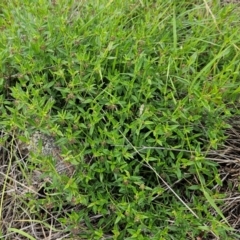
135, 92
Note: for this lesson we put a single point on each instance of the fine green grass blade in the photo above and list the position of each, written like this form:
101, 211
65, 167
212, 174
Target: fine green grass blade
21, 232
213, 204
207, 68
174, 22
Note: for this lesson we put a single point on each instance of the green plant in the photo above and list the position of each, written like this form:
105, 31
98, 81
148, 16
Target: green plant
136, 94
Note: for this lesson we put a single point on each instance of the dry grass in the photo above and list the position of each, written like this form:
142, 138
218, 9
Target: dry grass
19, 213
230, 1
228, 159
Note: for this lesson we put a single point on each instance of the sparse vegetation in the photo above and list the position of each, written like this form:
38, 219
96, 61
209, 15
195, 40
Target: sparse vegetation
141, 98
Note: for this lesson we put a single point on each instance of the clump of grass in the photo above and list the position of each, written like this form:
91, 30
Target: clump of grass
136, 94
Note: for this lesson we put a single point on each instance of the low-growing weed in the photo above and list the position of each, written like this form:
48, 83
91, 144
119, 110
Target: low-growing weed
135, 94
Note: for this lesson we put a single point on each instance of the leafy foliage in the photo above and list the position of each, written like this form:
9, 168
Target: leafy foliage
136, 92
